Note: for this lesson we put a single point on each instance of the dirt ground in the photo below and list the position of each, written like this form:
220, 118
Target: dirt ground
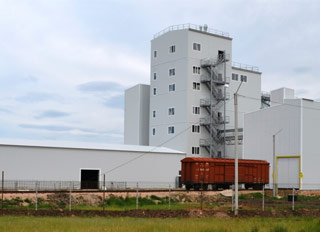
162, 213
249, 207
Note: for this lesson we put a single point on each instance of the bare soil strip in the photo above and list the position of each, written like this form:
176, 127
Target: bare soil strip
161, 213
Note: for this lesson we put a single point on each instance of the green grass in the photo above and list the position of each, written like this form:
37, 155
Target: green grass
32, 224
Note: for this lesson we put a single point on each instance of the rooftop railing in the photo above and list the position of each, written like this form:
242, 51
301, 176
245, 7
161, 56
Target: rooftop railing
192, 26
245, 66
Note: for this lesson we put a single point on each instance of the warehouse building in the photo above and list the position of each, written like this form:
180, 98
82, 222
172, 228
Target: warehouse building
87, 163
295, 123
188, 105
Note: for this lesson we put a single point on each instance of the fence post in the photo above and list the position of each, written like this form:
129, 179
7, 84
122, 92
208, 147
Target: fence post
2, 189
201, 196
232, 199
137, 197
104, 191
169, 196
36, 195
70, 199
292, 198
263, 198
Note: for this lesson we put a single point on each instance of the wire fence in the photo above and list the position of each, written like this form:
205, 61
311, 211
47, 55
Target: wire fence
33, 185
74, 195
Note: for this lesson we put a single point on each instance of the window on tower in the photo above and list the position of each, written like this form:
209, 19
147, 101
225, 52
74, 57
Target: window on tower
195, 128
196, 85
171, 130
171, 111
172, 49
196, 46
196, 69
234, 76
172, 72
172, 87
196, 110
195, 150
243, 78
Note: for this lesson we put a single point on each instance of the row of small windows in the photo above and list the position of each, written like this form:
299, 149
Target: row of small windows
235, 77
195, 129
172, 49
171, 111
172, 72
170, 130
172, 87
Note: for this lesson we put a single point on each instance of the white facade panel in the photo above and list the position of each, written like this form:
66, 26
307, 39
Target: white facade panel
310, 144
260, 126
136, 118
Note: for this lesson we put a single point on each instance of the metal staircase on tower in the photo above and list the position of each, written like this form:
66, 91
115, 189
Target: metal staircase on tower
215, 79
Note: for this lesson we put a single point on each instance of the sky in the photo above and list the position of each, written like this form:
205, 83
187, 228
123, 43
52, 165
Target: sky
64, 65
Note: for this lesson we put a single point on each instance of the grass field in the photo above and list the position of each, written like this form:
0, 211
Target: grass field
33, 224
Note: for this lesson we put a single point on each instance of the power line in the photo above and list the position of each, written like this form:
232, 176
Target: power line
145, 153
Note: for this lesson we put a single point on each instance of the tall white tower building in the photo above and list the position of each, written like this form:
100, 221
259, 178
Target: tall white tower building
192, 82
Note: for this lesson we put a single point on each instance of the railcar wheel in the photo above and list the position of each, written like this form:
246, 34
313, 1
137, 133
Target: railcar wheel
196, 187
188, 187
214, 187
205, 187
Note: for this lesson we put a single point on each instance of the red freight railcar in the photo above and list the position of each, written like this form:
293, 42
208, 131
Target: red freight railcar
197, 172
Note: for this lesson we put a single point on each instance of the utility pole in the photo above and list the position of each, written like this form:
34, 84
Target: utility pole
275, 187
236, 156
2, 187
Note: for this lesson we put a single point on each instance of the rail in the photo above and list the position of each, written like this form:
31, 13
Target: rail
192, 26
245, 66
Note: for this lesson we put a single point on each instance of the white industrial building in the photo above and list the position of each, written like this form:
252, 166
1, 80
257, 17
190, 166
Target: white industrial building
187, 110
88, 163
295, 122
189, 103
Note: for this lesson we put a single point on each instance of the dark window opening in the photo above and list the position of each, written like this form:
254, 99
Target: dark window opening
220, 55
89, 179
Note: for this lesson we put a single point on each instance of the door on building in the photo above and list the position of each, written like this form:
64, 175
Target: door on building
288, 170
89, 179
